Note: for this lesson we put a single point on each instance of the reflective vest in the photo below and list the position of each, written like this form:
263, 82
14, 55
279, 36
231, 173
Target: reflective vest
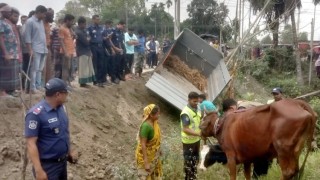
195, 118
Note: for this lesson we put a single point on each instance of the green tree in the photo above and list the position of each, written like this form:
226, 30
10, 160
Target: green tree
75, 8
207, 16
115, 9
303, 36
290, 6
286, 36
118, 9
161, 19
266, 40
168, 4
272, 13
95, 6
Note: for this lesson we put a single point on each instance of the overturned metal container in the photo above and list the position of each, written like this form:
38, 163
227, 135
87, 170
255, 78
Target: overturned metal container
197, 54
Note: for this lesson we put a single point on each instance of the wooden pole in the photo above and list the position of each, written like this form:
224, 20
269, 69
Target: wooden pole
249, 23
311, 46
240, 20
247, 37
236, 25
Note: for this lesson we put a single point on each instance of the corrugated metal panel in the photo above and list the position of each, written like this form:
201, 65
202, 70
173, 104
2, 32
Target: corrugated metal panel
197, 54
217, 80
174, 90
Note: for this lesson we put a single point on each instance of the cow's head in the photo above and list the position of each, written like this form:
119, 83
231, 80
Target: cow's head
214, 155
207, 124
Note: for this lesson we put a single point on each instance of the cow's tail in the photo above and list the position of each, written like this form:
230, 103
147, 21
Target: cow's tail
310, 132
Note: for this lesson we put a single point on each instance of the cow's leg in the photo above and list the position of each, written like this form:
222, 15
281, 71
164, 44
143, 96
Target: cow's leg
247, 171
232, 167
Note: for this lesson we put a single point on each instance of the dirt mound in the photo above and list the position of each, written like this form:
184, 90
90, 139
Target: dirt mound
103, 125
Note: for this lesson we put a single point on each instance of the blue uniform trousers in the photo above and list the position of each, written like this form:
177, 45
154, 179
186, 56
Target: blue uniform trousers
54, 170
99, 62
119, 66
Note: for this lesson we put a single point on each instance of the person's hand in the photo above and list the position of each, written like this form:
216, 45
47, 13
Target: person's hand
7, 57
67, 56
41, 175
113, 52
31, 53
73, 157
147, 167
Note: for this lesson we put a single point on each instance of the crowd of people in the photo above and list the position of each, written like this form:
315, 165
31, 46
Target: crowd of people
41, 49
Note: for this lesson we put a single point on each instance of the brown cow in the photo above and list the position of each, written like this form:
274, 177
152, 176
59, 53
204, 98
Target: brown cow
277, 130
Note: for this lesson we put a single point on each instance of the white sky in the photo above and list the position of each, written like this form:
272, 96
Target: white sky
305, 19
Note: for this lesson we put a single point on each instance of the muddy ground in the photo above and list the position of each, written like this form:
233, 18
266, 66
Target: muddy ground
103, 125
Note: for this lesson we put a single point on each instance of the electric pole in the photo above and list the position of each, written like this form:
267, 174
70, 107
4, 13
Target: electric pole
311, 43
311, 49
177, 19
249, 16
239, 30
242, 20
298, 24
127, 23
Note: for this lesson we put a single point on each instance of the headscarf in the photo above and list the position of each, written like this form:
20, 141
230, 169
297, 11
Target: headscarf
147, 111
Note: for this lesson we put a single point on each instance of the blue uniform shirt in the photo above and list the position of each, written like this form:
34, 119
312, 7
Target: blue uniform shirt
140, 48
95, 33
51, 126
118, 38
107, 32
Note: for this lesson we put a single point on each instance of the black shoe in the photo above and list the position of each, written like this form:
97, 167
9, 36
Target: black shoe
100, 85
83, 85
107, 83
116, 81
122, 78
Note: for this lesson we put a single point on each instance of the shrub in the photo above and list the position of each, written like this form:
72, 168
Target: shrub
280, 59
257, 68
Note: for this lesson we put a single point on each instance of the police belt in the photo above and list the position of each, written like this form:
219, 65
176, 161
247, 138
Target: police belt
61, 159
97, 44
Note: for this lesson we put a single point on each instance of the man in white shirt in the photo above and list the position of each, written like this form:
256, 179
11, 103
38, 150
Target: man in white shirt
130, 40
152, 48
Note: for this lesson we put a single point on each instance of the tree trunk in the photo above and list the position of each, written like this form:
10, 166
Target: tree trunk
275, 29
275, 34
296, 50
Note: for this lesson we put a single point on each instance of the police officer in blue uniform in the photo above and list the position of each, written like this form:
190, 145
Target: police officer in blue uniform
110, 53
47, 134
117, 40
95, 32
